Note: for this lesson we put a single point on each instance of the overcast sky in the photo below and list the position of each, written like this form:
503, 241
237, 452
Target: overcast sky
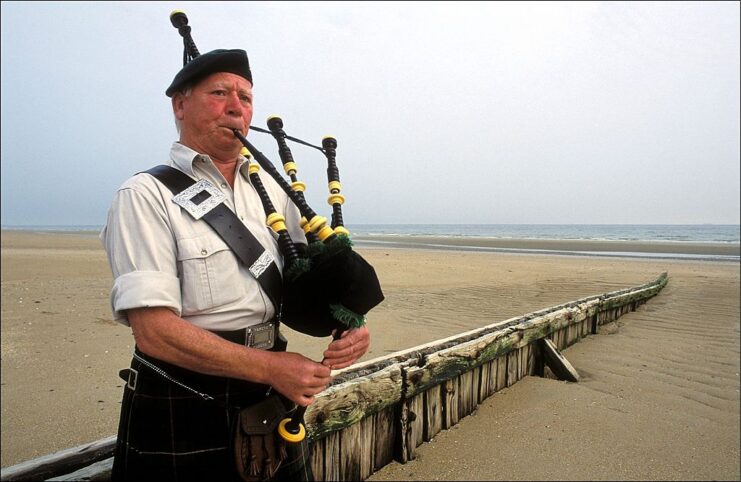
444, 112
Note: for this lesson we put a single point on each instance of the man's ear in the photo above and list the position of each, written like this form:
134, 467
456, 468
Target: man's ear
178, 107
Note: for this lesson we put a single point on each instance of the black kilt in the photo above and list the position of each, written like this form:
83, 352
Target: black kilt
167, 432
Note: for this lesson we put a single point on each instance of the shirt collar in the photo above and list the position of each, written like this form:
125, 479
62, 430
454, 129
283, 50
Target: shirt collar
183, 158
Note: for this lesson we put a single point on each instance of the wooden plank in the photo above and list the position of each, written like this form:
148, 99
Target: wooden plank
557, 363
570, 335
531, 354
485, 388
450, 403
416, 422
433, 413
474, 393
401, 452
493, 365
316, 460
357, 450
623, 299
513, 359
62, 462
384, 439
99, 471
468, 394
521, 363
332, 444
346, 404
365, 454
351, 455
501, 372
557, 338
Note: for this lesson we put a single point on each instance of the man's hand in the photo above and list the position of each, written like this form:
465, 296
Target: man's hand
297, 377
347, 349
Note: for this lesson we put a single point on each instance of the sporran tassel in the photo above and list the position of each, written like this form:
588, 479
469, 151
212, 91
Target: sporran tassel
254, 466
283, 451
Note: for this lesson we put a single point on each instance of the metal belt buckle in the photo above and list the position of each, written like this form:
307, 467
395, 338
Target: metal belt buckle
199, 199
133, 376
261, 336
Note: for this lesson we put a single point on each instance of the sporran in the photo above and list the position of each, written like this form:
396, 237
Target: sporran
258, 450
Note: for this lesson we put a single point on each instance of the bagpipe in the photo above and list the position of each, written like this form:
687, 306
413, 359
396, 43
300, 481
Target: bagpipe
327, 286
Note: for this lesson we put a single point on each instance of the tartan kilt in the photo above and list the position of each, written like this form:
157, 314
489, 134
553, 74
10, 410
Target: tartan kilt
167, 432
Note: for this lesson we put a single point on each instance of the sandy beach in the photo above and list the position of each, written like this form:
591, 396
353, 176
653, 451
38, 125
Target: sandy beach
658, 399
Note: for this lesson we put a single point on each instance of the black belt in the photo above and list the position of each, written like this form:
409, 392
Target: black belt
237, 337
265, 336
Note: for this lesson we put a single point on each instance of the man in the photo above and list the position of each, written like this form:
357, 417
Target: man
188, 299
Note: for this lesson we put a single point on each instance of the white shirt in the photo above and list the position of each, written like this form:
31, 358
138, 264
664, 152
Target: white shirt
161, 257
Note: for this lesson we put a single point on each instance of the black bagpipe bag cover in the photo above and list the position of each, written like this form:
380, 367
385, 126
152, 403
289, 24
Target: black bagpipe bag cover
342, 278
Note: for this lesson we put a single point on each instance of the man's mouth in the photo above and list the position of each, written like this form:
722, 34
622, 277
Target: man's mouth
232, 128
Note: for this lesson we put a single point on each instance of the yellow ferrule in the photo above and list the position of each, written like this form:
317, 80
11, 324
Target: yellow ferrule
298, 186
305, 225
254, 168
278, 226
317, 222
341, 230
245, 152
288, 436
334, 187
325, 232
275, 218
336, 199
290, 168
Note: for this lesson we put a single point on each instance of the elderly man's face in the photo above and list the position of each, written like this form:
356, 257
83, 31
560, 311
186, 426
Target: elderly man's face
216, 106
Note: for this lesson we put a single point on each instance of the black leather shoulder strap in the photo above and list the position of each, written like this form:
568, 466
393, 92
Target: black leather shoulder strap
234, 233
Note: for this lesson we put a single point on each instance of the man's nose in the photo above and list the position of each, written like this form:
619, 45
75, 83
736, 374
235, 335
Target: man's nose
234, 105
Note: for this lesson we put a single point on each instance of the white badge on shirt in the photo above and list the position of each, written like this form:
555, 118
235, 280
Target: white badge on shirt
199, 199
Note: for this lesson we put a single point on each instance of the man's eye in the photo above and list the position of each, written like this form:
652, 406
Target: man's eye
220, 92
246, 98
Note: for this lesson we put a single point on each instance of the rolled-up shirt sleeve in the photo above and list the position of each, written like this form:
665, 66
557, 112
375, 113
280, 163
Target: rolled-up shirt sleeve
141, 251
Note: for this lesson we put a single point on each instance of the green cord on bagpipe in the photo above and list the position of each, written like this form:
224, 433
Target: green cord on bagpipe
327, 288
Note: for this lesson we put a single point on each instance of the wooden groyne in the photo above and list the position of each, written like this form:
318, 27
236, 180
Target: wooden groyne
381, 410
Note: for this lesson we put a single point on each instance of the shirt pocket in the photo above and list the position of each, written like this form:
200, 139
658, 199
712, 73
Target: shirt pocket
209, 274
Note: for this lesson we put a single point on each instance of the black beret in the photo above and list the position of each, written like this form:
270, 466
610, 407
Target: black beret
233, 61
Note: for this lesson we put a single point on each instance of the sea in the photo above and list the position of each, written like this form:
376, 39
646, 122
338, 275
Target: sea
384, 234
692, 233
666, 239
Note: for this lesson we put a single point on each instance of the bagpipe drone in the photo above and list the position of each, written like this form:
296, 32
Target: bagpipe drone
327, 287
